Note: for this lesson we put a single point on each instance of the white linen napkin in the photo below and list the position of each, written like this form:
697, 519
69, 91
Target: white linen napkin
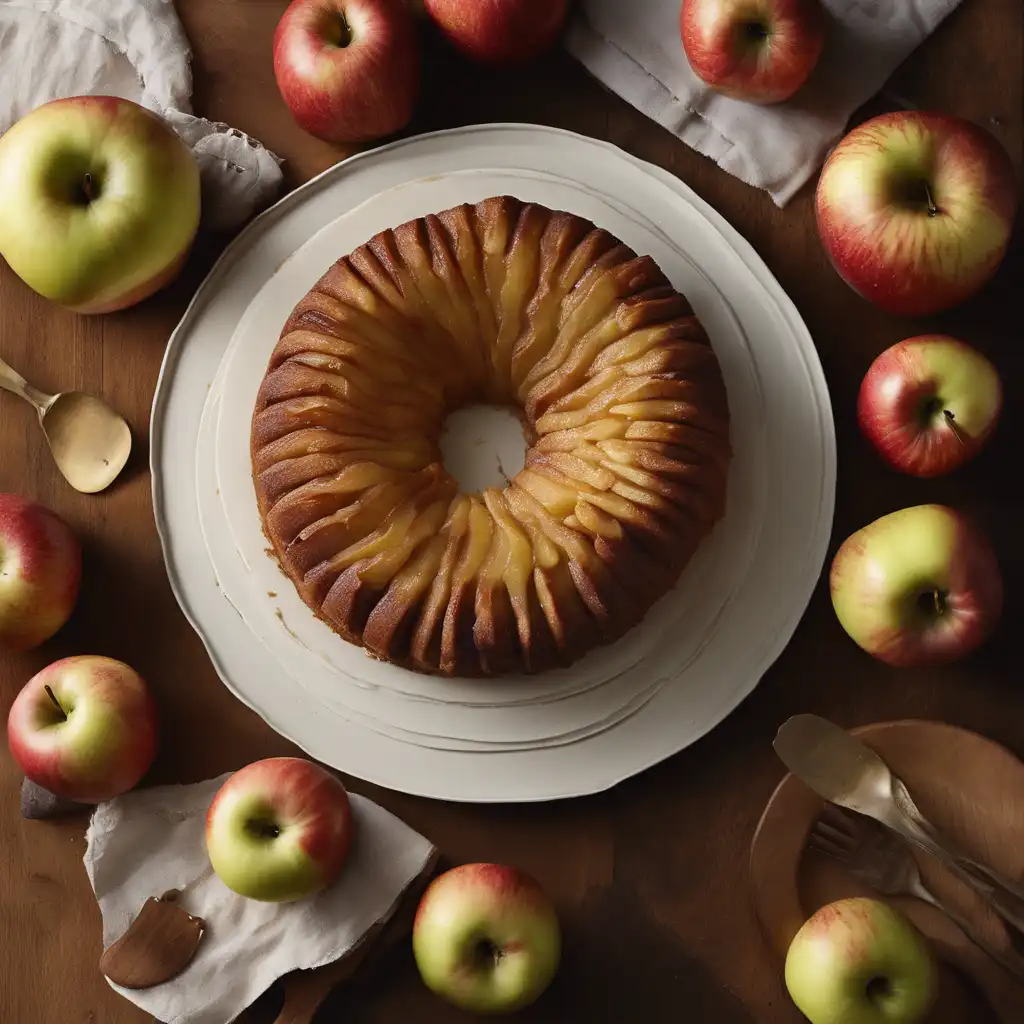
152, 840
636, 51
136, 49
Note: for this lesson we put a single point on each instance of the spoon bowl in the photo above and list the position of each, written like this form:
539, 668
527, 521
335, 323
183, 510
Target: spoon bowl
90, 442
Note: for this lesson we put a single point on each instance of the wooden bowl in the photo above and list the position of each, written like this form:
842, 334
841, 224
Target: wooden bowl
969, 787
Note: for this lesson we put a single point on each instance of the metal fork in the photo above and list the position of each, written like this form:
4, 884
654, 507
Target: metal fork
880, 859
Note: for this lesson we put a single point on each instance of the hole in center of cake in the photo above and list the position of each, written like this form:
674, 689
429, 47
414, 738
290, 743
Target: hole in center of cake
483, 446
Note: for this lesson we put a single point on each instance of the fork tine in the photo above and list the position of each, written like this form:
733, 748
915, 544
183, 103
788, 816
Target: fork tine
836, 835
825, 846
841, 819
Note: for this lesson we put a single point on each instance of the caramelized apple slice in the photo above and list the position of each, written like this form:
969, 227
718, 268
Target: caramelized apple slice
425, 647
685, 334
562, 237
522, 268
359, 590
313, 411
351, 471
386, 629
462, 240
494, 221
322, 538
588, 573
375, 559
320, 441
458, 651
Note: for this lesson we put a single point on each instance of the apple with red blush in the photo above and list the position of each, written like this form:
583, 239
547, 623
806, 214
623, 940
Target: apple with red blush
915, 210
761, 51
40, 572
859, 961
929, 404
486, 938
279, 830
920, 586
500, 31
349, 70
99, 202
84, 728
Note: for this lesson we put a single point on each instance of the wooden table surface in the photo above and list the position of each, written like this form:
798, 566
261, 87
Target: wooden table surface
650, 879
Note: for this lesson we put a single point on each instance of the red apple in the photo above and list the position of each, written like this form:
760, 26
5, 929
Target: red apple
757, 50
928, 404
917, 587
84, 728
500, 31
486, 938
40, 569
279, 830
349, 70
915, 210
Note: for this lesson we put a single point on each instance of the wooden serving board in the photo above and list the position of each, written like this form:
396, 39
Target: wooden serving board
305, 991
970, 788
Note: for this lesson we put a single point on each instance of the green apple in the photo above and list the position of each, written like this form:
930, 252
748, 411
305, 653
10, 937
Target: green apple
486, 938
917, 587
99, 202
859, 961
279, 830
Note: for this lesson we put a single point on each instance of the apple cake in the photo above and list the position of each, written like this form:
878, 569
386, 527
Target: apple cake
624, 411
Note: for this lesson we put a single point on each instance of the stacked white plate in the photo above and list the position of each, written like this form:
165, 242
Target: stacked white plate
695, 656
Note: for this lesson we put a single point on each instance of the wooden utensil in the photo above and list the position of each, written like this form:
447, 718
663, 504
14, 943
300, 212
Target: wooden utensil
158, 945
305, 991
90, 442
971, 788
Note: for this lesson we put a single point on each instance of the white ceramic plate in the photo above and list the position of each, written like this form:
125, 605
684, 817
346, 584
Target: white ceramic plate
557, 707
786, 443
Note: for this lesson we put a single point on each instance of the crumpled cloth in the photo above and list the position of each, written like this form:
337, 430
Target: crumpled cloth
136, 49
152, 840
636, 51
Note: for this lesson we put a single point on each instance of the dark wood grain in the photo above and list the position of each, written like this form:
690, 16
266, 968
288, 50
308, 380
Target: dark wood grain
651, 878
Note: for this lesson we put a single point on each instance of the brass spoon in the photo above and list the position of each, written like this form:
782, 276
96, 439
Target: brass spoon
90, 442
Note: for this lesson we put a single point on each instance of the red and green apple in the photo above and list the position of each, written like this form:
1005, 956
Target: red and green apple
859, 961
920, 586
279, 830
40, 570
915, 210
84, 728
500, 31
349, 70
486, 938
761, 51
99, 202
928, 404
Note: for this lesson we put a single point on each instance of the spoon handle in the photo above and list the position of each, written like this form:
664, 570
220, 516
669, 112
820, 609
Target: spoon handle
1000, 893
1011, 961
11, 380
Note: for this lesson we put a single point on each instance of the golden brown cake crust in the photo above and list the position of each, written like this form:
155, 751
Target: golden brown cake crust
622, 398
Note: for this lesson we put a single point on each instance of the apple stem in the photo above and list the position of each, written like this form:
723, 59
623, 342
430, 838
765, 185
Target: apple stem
937, 598
56, 703
933, 210
951, 421
87, 189
346, 32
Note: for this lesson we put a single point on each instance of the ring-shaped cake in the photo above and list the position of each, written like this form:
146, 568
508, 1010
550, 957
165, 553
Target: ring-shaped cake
625, 415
